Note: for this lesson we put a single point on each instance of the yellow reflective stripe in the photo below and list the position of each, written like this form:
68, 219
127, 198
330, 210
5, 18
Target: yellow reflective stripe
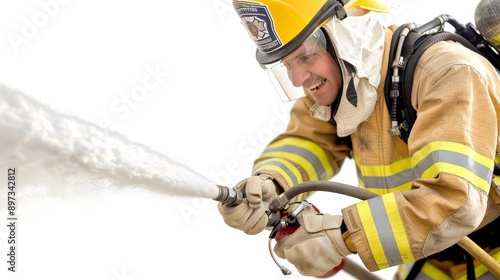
372, 234
380, 191
403, 270
384, 170
456, 159
313, 148
313, 176
311, 157
398, 228
463, 172
481, 269
429, 271
382, 179
433, 272
385, 231
450, 146
286, 169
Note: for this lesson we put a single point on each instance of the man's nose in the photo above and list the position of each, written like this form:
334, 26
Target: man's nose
298, 75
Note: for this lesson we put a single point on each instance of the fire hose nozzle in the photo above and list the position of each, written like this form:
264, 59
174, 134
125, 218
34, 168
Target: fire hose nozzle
229, 196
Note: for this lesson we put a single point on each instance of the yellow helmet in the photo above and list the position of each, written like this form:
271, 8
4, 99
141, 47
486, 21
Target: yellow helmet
278, 27
371, 5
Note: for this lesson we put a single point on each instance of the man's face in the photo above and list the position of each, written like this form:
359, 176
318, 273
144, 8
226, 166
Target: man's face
313, 68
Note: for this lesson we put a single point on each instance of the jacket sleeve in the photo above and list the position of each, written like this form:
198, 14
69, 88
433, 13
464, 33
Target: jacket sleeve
452, 149
308, 150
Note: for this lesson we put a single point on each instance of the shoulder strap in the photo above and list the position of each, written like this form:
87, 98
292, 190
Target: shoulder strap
407, 46
419, 48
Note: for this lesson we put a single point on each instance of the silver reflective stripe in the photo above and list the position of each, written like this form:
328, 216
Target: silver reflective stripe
387, 182
384, 230
308, 155
455, 159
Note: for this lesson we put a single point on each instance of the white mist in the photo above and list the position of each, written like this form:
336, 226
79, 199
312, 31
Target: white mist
48, 144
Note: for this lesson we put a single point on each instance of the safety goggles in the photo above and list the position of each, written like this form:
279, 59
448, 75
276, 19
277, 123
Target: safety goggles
286, 73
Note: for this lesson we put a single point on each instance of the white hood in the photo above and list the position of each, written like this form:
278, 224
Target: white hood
359, 46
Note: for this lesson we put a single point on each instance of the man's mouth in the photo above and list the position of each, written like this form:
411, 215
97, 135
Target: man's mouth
317, 85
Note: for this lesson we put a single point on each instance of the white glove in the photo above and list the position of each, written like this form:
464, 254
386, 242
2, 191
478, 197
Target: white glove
250, 216
317, 246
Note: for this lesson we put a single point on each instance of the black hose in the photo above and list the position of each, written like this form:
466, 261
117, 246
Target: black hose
282, 200
437, 21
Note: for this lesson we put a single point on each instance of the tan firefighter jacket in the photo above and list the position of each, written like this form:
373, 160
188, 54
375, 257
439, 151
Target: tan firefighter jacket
432, 191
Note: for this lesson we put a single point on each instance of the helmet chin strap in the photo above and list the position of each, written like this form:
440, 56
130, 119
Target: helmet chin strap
339, 10
322, 112
329, 48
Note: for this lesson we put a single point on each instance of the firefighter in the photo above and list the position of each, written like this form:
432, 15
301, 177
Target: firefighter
332, 59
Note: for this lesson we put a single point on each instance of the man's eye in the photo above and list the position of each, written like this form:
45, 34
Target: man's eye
306, 58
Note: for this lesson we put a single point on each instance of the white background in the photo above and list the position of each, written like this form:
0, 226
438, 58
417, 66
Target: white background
212, 108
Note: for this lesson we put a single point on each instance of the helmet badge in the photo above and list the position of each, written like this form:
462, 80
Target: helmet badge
256, 28
259, 24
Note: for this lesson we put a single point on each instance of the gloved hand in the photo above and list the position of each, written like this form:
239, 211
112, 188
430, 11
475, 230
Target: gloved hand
317, 246
250, 216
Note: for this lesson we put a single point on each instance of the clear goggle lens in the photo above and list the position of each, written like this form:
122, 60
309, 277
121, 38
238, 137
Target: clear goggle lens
282, 73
